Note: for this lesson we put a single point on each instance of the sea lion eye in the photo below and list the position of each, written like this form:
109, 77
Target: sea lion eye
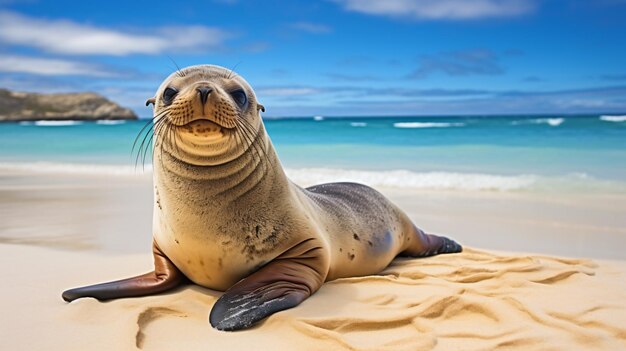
240, 97
168, 95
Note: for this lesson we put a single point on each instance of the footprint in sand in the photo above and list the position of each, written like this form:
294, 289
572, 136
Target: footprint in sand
148, 316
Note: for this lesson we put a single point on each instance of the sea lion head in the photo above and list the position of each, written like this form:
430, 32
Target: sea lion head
205, 115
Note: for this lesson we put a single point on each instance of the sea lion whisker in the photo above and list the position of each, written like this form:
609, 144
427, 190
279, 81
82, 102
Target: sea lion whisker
232, 70
150, 145
262, 146
157, 139
143, 147
171, 138
259, 149
247, 143
149, 132
168, 139
162, 136
247, 132
150, 123
252, 140
160, 114
145, 153
175, 137
239, 132
243, 140
179, 72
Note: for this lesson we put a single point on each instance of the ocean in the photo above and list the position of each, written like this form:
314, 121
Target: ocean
492, 153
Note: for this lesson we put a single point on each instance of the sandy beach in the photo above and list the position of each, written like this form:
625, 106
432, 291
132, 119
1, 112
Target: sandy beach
498, 124
539, 272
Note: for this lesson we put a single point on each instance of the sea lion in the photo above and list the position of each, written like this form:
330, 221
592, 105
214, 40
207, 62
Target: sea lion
227, 218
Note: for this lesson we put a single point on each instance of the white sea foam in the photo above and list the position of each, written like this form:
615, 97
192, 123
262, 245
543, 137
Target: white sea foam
427, 125
311, 176
358, 124
318, 118
110, 122
45, 123
554, 122
613, 118
414, 180
402, 179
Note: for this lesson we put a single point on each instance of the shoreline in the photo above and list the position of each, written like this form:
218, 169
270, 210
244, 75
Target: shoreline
57, 210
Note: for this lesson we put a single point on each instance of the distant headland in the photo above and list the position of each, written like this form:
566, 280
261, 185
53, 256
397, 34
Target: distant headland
19, 106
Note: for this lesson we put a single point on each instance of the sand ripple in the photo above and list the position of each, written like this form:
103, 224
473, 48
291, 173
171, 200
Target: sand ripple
475, 300
471, 301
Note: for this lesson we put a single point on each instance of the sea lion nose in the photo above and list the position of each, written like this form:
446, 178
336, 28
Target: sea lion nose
204, 93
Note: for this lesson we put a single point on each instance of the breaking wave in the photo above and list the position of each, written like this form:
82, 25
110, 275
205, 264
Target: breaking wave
110, 122
613, 118
43, 123
414, 180
402, 179
554, 122
427, 124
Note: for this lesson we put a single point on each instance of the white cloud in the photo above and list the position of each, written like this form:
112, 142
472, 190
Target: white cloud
67, 37
49, 67
309, 27
286, 91
440, 9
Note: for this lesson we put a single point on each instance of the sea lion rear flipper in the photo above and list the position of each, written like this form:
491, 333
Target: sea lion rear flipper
425, 245
281, 284
165, 276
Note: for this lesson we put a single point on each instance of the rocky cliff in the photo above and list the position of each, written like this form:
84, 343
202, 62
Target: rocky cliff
15, 106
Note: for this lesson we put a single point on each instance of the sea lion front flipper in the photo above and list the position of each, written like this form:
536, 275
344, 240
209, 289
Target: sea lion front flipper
281, 284
165, 276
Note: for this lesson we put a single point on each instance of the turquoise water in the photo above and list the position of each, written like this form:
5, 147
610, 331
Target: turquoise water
511, 152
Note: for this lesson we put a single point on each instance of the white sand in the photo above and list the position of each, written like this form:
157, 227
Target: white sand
61, 232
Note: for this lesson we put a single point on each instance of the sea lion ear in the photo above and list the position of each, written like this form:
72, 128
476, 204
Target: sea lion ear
150, 101
260, 107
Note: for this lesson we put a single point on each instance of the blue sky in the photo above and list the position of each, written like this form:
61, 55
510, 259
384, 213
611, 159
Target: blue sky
332, 57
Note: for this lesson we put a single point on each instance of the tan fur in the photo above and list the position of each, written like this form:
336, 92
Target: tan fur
227, 208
